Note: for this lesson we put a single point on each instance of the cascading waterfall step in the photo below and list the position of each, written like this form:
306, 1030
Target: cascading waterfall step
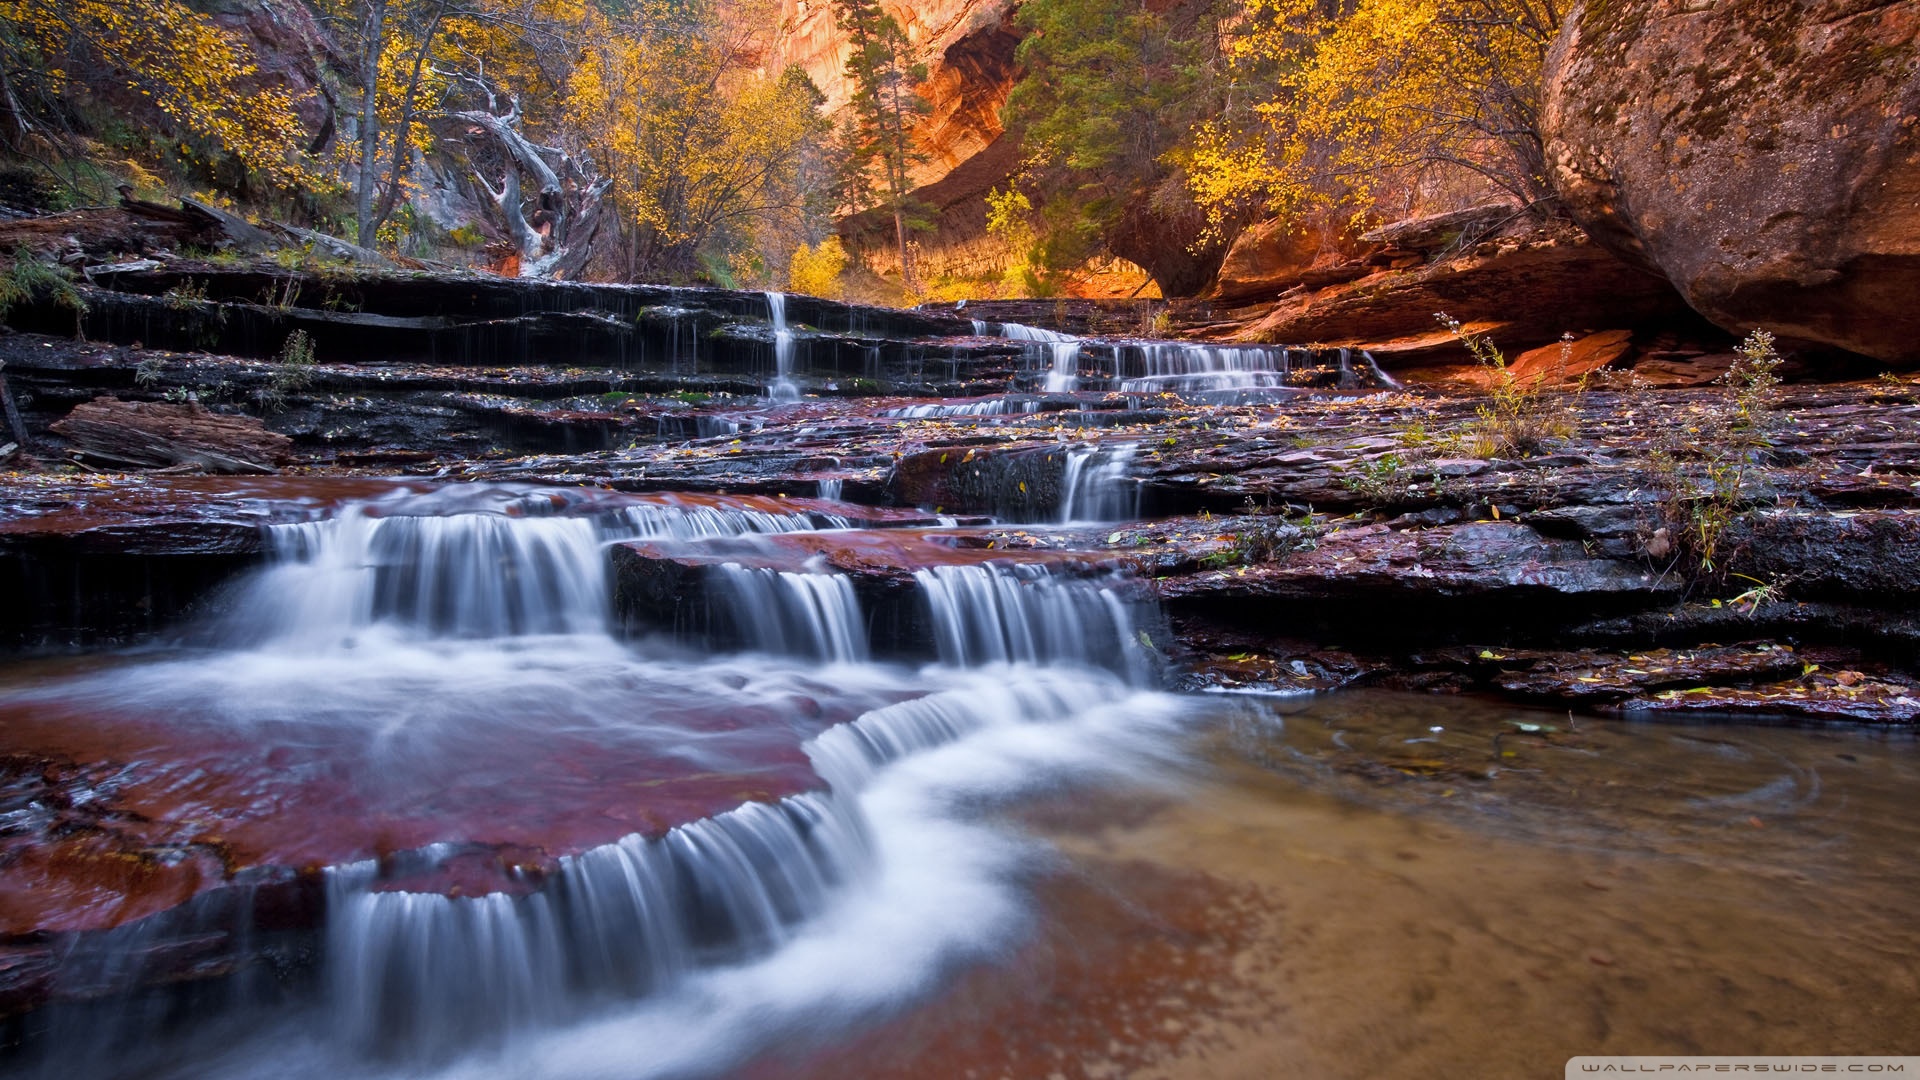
509, 846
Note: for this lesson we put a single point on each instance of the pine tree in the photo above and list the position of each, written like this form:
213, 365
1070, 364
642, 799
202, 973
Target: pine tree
885, 105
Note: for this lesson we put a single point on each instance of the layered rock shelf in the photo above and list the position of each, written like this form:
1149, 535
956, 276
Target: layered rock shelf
1296, 523
1298, 519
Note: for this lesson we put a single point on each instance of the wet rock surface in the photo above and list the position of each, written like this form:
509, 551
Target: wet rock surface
1357, 520
1299, 535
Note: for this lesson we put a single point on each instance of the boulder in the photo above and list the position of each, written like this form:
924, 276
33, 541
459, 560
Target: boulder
1763, 154
1524, 289
1558, 365
1278, 254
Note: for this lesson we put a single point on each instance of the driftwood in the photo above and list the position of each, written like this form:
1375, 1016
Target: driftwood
556, 240
146, 434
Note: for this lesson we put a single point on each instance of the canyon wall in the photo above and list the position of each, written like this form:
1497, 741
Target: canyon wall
968, 48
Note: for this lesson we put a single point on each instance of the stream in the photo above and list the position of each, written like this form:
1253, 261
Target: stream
510, 779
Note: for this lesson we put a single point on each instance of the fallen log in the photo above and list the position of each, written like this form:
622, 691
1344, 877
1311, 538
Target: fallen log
147, 434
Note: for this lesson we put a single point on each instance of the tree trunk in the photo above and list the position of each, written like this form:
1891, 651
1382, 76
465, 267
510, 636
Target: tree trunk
570, 208
900, 237
369, 120
404, 136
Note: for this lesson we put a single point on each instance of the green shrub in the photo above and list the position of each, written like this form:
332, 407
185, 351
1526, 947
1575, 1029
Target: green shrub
1521, 417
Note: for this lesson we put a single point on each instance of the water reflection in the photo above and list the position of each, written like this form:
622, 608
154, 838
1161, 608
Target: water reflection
1371, 885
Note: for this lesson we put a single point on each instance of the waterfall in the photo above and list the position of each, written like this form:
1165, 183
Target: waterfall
849, 755
1192, 368
465, 574
416, 974
1062, 352
795, 614
1032, 614
476, 738
433, 974
995, 406
1063, 377
1096, 485
653, 521
1021, 332
830, 488
1373, 368
461, 576
784, 390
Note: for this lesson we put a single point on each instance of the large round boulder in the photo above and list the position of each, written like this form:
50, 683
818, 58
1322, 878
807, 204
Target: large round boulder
1763, 154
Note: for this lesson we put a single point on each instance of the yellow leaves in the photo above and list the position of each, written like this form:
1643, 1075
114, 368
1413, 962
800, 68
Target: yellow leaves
1364, 98
816, 270
196, 73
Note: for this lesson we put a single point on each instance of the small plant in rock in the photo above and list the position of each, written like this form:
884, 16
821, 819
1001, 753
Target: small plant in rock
1375, 479
1761, 594
149, 371
1264, 538
282, 294
293, 371
1416, 436
189, 293
27, 278
1754, 380
1702, 468
199, 395
1521, 415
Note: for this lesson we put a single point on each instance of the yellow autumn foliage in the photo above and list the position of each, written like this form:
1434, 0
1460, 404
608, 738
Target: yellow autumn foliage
1370, 97
190, 69
697, 144
815, 270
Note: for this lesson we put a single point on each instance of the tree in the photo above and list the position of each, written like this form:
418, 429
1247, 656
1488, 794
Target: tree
886, 104
701, 151
815, 269
1112, 87
57, 54
420, 62
1364, 97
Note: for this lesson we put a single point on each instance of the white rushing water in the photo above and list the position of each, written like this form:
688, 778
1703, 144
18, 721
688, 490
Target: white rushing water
996, 614
784, 390
794, 613
1098, 485
458, 669
997, 406
1061, 351
1183, 368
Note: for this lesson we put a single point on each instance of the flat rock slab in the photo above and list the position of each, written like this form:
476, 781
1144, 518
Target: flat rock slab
129, 811
1488, 559
886, 556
